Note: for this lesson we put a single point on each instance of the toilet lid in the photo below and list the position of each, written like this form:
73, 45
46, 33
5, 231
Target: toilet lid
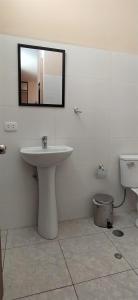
103, 199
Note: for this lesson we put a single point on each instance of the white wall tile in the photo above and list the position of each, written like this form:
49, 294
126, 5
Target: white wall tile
90, 123
89, 62
19, 197
88, 93
124, 68
32, 122
124, 111
75, 188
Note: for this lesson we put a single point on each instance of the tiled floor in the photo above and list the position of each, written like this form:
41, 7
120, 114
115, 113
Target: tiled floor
79, 264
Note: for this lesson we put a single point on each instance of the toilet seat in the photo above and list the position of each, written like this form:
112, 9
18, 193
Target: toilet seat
135, 190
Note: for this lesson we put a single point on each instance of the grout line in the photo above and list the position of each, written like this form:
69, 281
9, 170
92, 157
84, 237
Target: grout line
103, 276
68, 270
43, 292
57, 239
75, 291
135, 271
20, 228
65, 262
5, 250
72, 285
51, 241
6, 238
54, 240
33, 244
82, 235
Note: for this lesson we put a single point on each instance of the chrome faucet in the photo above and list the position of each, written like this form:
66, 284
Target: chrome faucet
44, 142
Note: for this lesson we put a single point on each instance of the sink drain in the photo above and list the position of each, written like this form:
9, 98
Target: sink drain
118, 255
118, 233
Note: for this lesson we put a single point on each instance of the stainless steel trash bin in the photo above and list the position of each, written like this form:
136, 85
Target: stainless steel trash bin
103, 210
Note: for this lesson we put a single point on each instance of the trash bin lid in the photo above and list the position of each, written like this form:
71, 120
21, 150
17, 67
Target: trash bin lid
103, 198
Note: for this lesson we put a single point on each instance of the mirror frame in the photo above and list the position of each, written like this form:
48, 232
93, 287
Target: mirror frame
19, 75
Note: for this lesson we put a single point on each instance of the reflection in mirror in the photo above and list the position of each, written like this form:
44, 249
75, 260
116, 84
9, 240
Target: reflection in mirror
41, 76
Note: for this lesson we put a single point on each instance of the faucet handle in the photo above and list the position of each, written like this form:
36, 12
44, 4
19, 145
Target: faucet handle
44, 137
44, 141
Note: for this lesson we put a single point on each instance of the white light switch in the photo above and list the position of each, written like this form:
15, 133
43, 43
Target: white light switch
10, 126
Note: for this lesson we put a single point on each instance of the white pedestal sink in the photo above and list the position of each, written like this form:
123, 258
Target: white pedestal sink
46, 161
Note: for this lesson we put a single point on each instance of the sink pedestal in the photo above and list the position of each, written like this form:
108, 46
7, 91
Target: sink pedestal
46, 161
47, 212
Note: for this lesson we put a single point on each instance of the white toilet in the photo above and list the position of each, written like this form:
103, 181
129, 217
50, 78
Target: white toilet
129, 173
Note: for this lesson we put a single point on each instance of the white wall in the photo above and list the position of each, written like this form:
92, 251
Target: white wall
104, 85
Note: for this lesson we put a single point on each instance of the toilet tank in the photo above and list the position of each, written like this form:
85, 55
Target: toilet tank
129, 170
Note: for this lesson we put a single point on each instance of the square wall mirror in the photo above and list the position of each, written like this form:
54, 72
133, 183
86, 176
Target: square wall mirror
41, 76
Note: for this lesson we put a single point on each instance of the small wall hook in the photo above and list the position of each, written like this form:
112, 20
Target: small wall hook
77, 111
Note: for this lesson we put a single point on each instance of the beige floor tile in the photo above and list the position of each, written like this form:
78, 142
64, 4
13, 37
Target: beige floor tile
34, 269
23, 237
124, 219
127, 244
91, 256
77, 227
115, 287
67, 293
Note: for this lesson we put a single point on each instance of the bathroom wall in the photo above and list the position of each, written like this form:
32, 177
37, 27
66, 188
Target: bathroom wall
108, 24
104, 85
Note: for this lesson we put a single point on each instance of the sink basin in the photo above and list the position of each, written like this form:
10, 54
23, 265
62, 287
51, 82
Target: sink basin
46, 161
39, 157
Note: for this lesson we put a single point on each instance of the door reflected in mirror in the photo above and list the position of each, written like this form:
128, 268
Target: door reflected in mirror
41, 76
